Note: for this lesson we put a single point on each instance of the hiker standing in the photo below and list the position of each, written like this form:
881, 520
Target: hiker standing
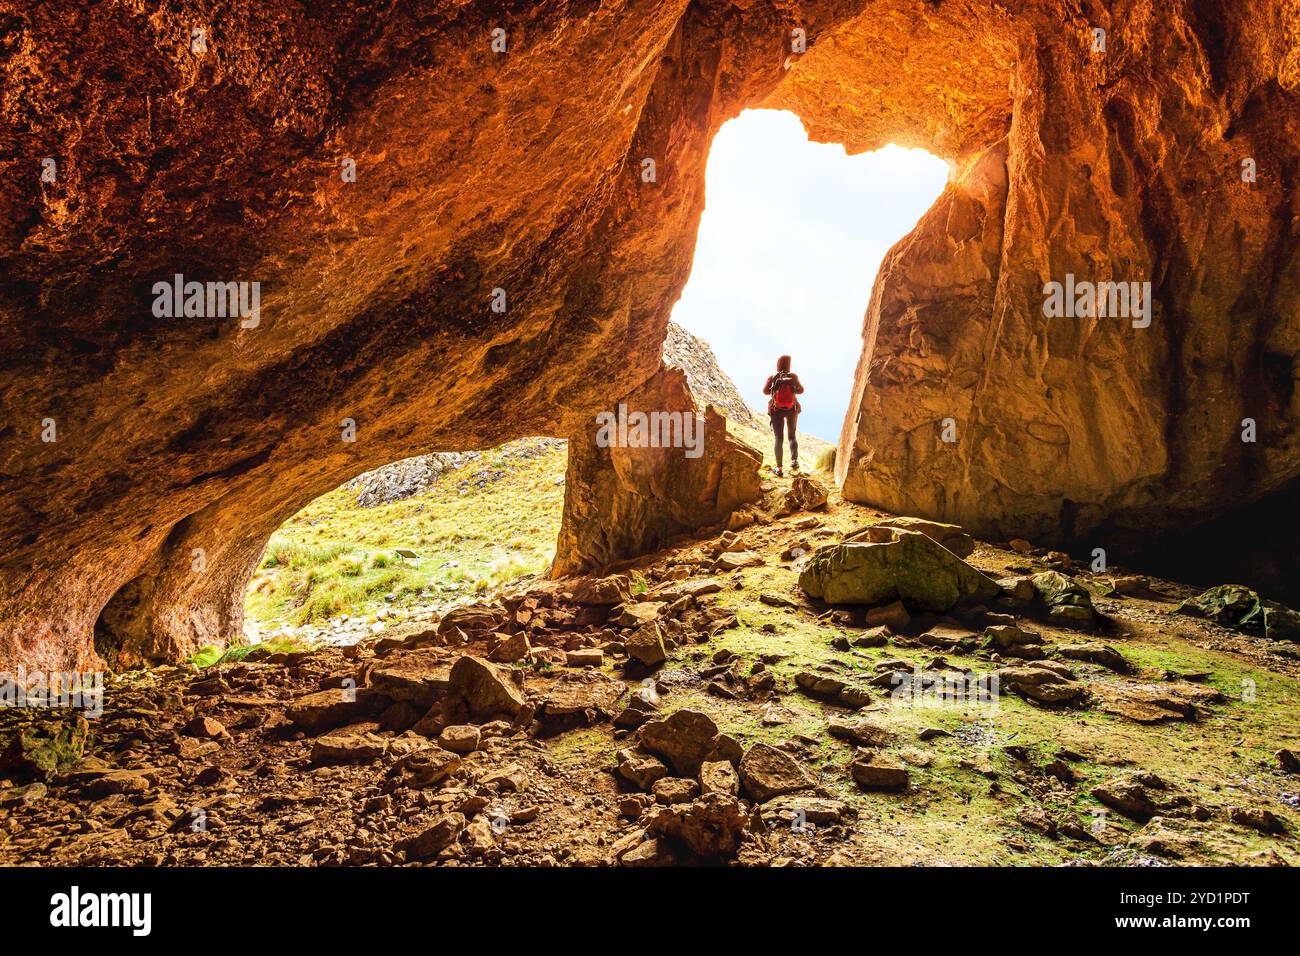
783, 409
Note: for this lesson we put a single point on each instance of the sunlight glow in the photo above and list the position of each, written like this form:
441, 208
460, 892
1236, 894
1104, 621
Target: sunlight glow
792, 235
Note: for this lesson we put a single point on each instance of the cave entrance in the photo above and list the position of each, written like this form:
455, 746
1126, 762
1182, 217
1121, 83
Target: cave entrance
791, 237
405, 541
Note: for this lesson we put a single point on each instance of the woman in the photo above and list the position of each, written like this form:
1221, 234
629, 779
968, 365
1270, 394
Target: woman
783, 409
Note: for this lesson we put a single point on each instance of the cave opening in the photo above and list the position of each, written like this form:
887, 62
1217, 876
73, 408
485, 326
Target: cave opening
408, 540
791, 238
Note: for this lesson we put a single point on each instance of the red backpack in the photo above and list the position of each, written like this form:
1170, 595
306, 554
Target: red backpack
784, 398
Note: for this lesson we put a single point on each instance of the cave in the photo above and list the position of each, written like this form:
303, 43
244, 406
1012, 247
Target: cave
254, 250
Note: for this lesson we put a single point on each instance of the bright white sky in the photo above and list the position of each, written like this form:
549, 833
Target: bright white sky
792, 235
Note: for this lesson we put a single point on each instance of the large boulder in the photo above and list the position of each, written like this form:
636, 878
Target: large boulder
767, 772
1240, 608
912, 568
685, 739
482, 691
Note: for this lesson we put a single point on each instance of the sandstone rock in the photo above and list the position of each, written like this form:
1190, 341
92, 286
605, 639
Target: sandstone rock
719, 776
805, 494
603, 592
426, 768
514, 647
951, 536
864, 733
832, 689
1232, 605
766, 772
685, 739
482, 691
472, 619
1065, 599
646, 645
206, 727
640, 768
623, 501
711, 826
1127, 796
914, 569
459, 739
348, 748
670, 790
435, 838
1095, 653
326, 709
585, 657
419, 679
1258, 818
797, 810
735, 560
638, 613
877, 772
579, 699
1013, 641
1040, 684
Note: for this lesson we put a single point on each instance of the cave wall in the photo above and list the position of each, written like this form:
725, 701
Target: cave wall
522, 171
1121, 165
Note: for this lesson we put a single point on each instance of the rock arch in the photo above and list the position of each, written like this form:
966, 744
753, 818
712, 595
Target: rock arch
520, 171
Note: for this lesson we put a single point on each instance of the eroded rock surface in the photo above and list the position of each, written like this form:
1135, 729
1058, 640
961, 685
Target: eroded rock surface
499, 266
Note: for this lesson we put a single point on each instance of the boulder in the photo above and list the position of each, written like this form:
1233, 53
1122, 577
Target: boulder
510, 648
913, 569
1066, 599
428, 767
482, 691
435, 838
1240, 608
719, 776
1041, 684
685, 739
603, 592
806, 494
711, 826
348, 748
1094, 652
951, 536
645, 645
640, 768
877, 772
459, 738
327, 709
767, 772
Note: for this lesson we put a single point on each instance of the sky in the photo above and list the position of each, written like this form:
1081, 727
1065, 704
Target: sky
792, 235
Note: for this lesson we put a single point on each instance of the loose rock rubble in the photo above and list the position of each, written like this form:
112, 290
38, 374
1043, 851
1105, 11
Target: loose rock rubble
687, 710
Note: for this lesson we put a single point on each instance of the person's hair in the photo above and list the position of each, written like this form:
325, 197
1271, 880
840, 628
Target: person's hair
783, 363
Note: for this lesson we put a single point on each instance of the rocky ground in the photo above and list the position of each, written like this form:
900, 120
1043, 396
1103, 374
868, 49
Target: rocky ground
700, 706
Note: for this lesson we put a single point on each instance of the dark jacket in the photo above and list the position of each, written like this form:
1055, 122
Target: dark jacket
771, 387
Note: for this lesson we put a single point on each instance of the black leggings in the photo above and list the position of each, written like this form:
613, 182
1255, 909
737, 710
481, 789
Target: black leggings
789, 420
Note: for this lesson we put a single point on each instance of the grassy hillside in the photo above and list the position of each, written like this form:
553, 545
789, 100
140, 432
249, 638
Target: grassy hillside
480, 525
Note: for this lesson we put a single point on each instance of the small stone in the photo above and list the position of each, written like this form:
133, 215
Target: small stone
671, 790
513, 648
205, 727
877, 772
585, 657
459, 738
640, 769
719, 776
646, 645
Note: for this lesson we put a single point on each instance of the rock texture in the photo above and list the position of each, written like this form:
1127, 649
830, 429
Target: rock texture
624, 501
1123, 165
502, 265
